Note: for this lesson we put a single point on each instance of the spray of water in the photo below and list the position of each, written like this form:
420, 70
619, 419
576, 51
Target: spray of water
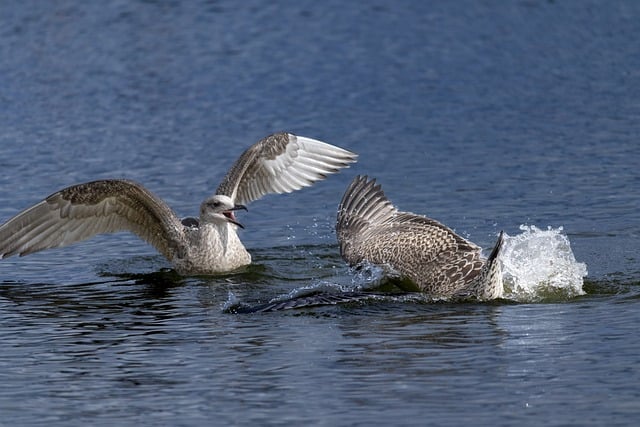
538, 265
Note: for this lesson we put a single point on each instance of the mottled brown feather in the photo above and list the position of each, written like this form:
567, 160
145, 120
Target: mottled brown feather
81, 211
369, 228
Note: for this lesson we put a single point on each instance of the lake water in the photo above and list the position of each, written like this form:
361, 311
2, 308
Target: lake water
487, 116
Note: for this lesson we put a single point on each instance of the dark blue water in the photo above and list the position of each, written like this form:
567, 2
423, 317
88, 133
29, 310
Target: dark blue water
483, 115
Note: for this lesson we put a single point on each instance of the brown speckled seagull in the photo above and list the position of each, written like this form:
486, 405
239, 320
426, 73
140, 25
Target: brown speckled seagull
427, 253
279, 163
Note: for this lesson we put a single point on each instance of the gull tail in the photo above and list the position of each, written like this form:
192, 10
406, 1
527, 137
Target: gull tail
488, 284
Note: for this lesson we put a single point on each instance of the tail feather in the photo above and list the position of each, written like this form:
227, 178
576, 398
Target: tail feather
492, 273
488, 284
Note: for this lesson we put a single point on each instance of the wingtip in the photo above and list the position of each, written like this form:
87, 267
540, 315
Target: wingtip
497, 247
365, 179
346, 156
360, 182
364, 198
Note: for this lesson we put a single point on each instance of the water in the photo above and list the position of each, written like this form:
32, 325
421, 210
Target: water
539, 264
483, 116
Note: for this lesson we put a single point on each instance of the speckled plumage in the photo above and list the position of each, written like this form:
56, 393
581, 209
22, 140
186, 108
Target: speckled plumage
434, 258
276, 164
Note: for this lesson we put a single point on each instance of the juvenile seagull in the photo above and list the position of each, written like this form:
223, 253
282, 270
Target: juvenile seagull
279, 163
434, 258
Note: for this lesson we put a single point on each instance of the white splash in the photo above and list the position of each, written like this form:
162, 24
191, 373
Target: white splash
539, 265
370, 276
231, 302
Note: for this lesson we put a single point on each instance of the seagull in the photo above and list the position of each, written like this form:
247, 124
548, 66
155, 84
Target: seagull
279, 163
430, 255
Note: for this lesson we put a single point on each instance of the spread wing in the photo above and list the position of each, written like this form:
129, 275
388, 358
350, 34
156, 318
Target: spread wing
282, 163
81, 211
369, 228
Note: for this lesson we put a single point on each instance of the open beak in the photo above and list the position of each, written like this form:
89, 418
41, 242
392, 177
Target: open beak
231, 217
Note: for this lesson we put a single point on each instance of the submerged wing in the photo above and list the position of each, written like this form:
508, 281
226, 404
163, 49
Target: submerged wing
306, 301
282, 163
82, 211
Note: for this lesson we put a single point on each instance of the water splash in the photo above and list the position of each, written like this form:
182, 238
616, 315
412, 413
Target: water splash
231, 302
538, 265
369, 276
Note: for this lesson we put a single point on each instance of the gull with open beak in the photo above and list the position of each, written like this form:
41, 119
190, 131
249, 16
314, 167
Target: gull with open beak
279, 163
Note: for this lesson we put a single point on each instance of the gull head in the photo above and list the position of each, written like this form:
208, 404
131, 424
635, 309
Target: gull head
219, 209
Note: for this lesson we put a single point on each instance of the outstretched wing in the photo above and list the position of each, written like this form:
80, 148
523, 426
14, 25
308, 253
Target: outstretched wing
362, 210
282, 163
369, 228
84, 210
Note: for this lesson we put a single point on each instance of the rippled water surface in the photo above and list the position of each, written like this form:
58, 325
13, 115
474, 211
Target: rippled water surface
486, 116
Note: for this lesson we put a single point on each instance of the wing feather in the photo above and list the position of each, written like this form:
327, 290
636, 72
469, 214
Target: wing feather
370, 228
81, 211
282, 163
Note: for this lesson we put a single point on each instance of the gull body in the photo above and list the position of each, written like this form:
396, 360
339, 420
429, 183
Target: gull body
279, 163
430, 255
